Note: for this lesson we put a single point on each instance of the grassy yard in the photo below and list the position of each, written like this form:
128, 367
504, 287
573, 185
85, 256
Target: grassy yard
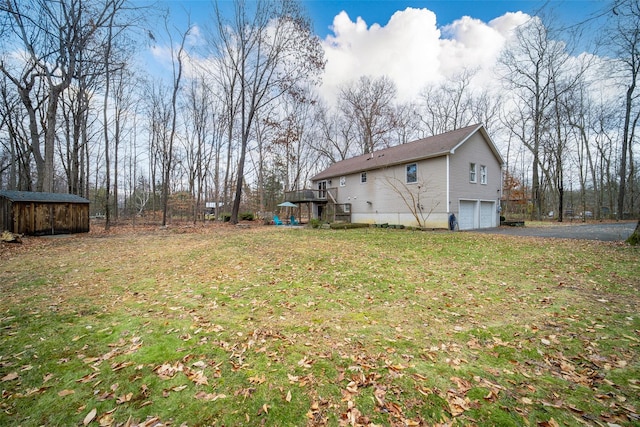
294, 327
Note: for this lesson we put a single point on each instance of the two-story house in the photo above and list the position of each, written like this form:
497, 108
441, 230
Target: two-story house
415, 184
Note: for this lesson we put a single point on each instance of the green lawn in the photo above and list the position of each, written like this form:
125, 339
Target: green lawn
294, 327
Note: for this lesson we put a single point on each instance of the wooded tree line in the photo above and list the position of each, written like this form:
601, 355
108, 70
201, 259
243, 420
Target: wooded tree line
237, 120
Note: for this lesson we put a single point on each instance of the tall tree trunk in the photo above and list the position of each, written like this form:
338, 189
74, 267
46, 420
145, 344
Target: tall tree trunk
105, 118
634, 239
623, 150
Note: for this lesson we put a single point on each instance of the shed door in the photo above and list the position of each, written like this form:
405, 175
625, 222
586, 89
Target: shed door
467, 215
487, 216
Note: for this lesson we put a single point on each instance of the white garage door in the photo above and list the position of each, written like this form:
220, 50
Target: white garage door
467, 215
487, 216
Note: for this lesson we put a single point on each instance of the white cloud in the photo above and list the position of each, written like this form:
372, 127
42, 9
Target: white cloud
162, 53
195, 38
509, 21
412, 50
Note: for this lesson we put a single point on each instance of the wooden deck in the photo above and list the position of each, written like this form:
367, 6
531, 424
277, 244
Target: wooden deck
308, 195
332, 211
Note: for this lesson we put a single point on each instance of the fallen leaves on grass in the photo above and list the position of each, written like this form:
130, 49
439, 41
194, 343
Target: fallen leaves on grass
258, 379
87, 378
209, 397
90, 416
10, 377
353, 416
166, 371
198, 377
305, 362
385, 369
124, 398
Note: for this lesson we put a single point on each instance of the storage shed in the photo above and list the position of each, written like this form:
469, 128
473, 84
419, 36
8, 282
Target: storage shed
36, 214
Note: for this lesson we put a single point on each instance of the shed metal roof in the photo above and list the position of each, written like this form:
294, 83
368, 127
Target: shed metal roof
433, 146
32, 196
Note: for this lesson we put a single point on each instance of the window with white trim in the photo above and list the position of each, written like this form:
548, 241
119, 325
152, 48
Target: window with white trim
343, 181
472, 172
412, 173
483, 174
363, 177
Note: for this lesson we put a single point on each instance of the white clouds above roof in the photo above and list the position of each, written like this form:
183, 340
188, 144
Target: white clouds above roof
411, 49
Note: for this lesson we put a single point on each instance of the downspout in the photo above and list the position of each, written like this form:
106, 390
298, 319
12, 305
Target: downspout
447, 191
500, 190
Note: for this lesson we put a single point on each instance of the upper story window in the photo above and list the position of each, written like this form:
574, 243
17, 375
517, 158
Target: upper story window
412, 173
483, 174
343, 181
472, 172
322, 189
363, 177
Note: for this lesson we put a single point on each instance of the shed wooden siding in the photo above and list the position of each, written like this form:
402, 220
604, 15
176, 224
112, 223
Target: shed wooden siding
38, 217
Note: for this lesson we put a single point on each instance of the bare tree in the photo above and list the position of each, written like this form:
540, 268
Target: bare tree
164, 118
291, 142
530, 66
338, 134
73, 114
369, 103
53, 34
447, 106
267, 49
634, 239
200, 127
105, 118
579, 112
406, 123
16, 156
623, 37
605, 126
415, 197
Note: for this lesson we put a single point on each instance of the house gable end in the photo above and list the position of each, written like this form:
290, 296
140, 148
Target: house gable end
487, 139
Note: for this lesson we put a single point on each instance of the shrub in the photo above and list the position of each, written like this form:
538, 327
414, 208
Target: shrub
347, 225
246, 216
225, 217
315, 223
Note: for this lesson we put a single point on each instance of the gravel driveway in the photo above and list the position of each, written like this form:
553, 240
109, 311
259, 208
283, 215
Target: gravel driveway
614, 231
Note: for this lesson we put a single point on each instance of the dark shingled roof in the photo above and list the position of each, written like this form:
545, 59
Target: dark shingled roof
433, 146
31, 196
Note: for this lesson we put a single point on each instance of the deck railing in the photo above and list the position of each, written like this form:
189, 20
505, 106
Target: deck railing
309, 195
331, 211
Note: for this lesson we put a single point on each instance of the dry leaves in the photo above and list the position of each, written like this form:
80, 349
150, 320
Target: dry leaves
209, 397
90, 417
374, 361
10, 377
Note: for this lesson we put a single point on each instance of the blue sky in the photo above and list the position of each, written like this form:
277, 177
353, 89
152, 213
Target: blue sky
322, 12
414, 42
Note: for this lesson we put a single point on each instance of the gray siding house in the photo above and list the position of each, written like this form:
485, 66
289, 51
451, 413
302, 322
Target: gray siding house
416, 184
